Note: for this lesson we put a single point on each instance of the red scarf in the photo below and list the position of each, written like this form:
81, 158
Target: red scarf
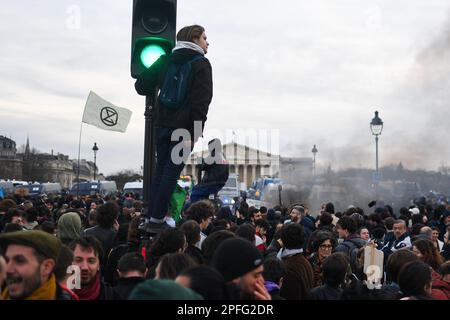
91, 292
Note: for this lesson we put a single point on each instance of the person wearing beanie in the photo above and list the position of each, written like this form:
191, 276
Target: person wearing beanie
163, 289
241, 263
31, 257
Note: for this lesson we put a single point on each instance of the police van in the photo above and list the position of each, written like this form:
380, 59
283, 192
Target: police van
230, 191
38, 189
90, 188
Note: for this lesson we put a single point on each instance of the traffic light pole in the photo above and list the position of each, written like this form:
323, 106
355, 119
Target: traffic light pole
153, 34
149, 146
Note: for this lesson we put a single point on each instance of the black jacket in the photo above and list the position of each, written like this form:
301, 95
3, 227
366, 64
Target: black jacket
107, 292
116, 253
107, 237
195, 253
325, 292
215, 173
124, 287
353, 241
199, 95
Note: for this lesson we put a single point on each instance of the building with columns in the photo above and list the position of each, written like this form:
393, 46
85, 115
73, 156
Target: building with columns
10, 163
248, 163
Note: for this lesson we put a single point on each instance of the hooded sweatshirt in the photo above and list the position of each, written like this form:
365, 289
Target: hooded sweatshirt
69, 227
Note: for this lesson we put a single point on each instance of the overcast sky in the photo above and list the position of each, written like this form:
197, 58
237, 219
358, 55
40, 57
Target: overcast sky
313, 71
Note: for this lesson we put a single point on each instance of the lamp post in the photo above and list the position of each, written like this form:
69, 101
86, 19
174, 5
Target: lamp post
314, 151
95, 149
279, 193
376, 126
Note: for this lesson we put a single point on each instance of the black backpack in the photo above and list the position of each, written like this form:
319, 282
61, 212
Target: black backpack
353, 250
175, 85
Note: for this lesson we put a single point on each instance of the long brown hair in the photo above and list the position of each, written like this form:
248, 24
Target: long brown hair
429, 252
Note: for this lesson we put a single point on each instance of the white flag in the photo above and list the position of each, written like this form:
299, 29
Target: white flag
105, 115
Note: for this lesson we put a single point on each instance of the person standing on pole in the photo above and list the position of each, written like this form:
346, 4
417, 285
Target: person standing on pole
185, 81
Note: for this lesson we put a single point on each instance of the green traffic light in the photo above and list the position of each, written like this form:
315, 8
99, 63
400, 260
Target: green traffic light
150, 54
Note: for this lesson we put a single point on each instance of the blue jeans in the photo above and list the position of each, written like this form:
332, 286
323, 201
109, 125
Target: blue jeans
166, 174
202, 192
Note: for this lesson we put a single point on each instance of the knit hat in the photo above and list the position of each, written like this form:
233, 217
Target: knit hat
235, 257
43, 242
163, 289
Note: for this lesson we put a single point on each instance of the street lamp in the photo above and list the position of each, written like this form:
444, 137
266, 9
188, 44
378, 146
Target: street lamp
314, 151
376, 126
95, 149
280, 187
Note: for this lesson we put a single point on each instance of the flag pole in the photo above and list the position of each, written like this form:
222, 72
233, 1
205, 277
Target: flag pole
79, 147
78, 167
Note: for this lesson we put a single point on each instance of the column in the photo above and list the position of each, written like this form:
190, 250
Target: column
245, 175
254, 172
241, 173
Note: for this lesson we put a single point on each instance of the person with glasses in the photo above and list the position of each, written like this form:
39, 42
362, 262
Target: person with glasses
336, 269
323, 246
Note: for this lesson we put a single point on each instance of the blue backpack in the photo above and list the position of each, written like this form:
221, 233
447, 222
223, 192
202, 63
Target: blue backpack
175, 84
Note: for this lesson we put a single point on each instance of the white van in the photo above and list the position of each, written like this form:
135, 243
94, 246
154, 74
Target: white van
51, 187
136, 187
19, 183
108, 187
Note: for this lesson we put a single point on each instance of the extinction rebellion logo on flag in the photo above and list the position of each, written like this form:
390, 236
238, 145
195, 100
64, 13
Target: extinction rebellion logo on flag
109, 116
105, 115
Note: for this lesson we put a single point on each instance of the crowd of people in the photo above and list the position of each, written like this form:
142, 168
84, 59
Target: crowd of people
92, 248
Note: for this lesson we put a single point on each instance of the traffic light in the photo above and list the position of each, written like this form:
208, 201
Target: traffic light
153, 34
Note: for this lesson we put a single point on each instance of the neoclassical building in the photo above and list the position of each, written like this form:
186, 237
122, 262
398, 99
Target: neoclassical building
10, 163
41, 167
248, 163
